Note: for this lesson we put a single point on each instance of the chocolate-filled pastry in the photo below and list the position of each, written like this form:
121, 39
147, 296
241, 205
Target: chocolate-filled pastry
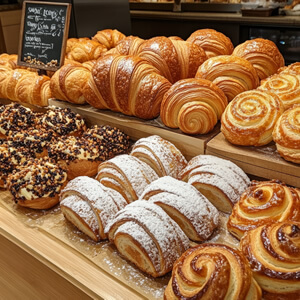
63, 121
37, 183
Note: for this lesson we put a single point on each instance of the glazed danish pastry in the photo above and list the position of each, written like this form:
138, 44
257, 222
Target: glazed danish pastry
212, 271
286, 134
273, 251
249, 119
264, 202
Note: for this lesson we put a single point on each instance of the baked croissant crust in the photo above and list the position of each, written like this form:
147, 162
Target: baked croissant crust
127, 84
286, 134
249, 119
285, 86
109, 37
193, 105
145, 235
264, 202
214, 43
263, 54
175, 59
273, 251
161, 155
232, 74
212, 271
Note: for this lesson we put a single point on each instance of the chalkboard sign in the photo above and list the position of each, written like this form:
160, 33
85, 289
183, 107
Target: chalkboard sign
44, 30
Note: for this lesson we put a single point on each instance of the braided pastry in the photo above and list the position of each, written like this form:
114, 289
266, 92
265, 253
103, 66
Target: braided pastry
249, 119
175, 59
263, 54
264, 202
193, 105
212, 271
145, 235
214, 43
286, 134
232, 74
108, 37
273, 251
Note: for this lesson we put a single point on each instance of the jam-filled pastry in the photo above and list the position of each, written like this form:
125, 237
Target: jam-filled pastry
110, 38
273, 251
232, 74
212, 271
263, 54
63, 121
193, 105
37, 183
89, 205
213, 42
286, 134
264, 202
146, 236
161, 155
195, 215
249, 119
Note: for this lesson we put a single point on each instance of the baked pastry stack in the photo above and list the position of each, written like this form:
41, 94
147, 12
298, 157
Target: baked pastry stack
109, 37
89, 205
193, 105
249, 119
219, 180
212, 271
286, 134
161, 155
273, 251
264, 202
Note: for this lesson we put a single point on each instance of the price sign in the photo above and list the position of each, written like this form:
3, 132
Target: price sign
44, 30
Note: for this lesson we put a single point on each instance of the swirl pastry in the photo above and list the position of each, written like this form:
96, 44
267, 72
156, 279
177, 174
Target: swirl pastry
214, 43
286, 134
109, 37
195, 215
175, 59
220, 181
273, 251
127, 175
249, 119
89, 205
232, 74
37, 183
127, 84
263, 54
291, 69
285, 86
264, 202
212, 271
146, 236
193, 105
161, 155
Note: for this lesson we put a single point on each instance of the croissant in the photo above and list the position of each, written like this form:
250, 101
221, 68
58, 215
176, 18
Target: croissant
145, 235
220, 181
86, 50
109, 37
273, 251
195, 215
127, 84
212, 271
161, 155
68, 82
175, 59
8, 60
127, 175
214, 43
249, 119
263, 54
285, 86
72, 41
264, 202
286, 134
232, 74
193, 105
88, 205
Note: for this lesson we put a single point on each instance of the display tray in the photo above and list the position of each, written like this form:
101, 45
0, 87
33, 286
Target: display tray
264, 161
136, 128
